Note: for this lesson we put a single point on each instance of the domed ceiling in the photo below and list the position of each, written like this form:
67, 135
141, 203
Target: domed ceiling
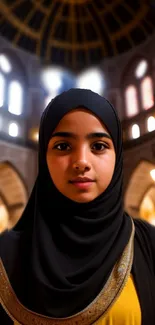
76, 33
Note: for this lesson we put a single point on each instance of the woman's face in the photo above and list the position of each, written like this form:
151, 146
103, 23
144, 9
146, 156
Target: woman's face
81, 156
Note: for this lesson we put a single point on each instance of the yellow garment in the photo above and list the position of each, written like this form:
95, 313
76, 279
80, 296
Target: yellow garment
126, 310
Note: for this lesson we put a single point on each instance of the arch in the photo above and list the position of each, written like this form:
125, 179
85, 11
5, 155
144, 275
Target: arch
147, 93
16, 62
130, 68
139, 184
131, 101
4, 215
13, 192
16, 74
147, 208
138, 74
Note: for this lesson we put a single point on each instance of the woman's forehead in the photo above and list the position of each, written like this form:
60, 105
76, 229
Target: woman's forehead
81, 118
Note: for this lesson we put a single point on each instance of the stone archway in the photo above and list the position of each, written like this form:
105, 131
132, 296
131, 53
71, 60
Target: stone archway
147, 207
140, 183
13, 193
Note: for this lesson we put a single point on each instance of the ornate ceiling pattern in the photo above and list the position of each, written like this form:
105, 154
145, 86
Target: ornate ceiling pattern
76, 33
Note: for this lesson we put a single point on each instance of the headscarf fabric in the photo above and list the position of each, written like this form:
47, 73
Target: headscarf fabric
70, 248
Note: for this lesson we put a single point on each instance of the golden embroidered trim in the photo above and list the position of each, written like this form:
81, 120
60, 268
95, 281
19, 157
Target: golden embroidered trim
100, 305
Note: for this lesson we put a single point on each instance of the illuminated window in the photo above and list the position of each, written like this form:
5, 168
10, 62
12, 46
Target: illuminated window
141, 69
131, 101
11, 90
5, 65
13, 130
91, 79
52, 80
151, 124
15, 98
147, 93
135, 131
2, 90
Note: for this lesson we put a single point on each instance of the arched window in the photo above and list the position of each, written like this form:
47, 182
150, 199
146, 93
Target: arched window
11, 85
52, 81
131, 101
15, 98
5, 64
141, 69
2, 90
56, 80
91, 79
147, 93
151, 124
135, 131
13, 129
138, 87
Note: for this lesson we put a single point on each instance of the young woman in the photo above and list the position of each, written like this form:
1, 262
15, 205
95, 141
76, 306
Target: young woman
75, 257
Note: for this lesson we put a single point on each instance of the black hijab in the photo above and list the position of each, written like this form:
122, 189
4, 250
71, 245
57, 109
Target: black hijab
67, 249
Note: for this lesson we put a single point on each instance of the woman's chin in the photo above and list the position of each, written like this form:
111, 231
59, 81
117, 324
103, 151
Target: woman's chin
82, 198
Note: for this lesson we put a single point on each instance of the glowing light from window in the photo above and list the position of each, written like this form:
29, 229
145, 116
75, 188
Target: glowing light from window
52, 80
141, 69
131, 101
152, 221
5, 65
2, 90
15, 98
151, 124
91, 79
147, 210
47, 100
4, 217
35, 136
147, 93
135, 131
152, 173
13, 130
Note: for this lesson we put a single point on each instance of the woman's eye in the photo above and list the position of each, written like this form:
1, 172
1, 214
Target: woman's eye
98, 146
62, 146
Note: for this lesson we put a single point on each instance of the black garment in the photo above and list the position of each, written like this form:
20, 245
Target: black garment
143, 268
65, 251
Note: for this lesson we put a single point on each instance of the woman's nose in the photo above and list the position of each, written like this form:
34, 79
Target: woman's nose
81, 161
81, 166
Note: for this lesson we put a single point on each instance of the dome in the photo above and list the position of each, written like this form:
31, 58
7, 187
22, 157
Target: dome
76, 33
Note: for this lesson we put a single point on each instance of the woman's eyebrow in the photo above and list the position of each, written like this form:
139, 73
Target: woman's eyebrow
99, 135
63, 135
88, 136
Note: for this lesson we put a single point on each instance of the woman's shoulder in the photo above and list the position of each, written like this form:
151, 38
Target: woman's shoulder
146, 229
6, 240
145, 234
10, 247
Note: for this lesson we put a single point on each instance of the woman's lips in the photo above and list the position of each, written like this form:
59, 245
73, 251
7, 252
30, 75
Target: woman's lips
82, 183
